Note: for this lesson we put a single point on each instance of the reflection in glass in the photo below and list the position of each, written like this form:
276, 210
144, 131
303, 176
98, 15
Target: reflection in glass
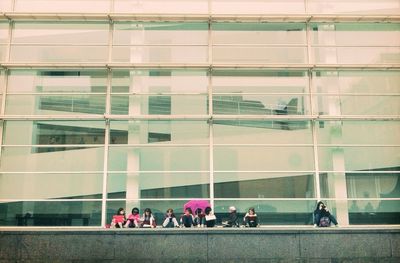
134, 159
159, 81
352, 158
57, 81
158, 185
263, 185
354, 6
159, 6
357, 82
374, 212
359, 132
55, 104
50, 186
53, 132
95, 6
326, 104
259, 132
164, 54
51, 159
159, 104
257, 7
54, 213
173, 132
278, 158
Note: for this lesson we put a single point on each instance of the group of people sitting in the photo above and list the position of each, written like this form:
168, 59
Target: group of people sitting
321, 217
189, 219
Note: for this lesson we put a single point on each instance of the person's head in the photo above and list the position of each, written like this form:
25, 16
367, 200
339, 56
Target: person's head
135, 211
121, 211
147, 212
188, 211
321, 205
198, 211
252, 211
232, 209
170, 212
207, 210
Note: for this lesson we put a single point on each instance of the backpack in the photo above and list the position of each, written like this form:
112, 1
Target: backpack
324, 222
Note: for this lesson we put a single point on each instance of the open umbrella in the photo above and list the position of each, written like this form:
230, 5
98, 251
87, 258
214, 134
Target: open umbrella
194, 204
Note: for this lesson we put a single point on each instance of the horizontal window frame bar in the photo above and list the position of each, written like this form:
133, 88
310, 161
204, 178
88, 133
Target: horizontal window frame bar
201, 17
202, 117
204, 66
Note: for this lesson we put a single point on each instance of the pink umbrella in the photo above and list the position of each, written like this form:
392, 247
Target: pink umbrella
194, 204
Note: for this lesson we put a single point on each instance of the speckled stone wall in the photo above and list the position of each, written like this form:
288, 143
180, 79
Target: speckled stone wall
202, 245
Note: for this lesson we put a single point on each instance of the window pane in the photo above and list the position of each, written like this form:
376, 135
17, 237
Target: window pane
3, 49
257, 104
51, 33
176, 54
54, 213
159, 6
360, 82
258, 132
159, 104
167, 132
263, 185
2, 81
59, 53
357, 158
258, 7
246, 54
53, 132
231, 158
165, 33
160, 81
57, 81
356, 43
95, 6
357, 105
259, 33
359, 132
134, 159
158, 185
277, 212
259, 81
49, 186
51, 159
374, 212
373, 185
354, 6
55, 104
349, 55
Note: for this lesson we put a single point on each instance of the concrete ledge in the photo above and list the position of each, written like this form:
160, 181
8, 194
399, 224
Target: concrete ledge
201, 245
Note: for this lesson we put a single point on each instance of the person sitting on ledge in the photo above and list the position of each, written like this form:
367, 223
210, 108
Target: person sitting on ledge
210, 217
133, 219
187, 219
118, 220
250, 219
148, 220
233, 218
170, 220
322, 216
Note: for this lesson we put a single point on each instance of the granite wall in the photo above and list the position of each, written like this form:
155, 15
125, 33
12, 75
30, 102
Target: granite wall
202, 245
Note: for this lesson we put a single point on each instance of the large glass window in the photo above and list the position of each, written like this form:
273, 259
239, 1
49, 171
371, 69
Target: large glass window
356, 43
50, 213
3, 39
56, 92
160, 42
263, 43
357, 92
159, 6
258, 7
59, 42
260, 92
88, 6
354, 6
159, 92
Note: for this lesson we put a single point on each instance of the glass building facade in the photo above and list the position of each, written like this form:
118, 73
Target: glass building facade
263, 103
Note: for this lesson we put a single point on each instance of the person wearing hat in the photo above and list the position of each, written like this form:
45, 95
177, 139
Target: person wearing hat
233, 218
